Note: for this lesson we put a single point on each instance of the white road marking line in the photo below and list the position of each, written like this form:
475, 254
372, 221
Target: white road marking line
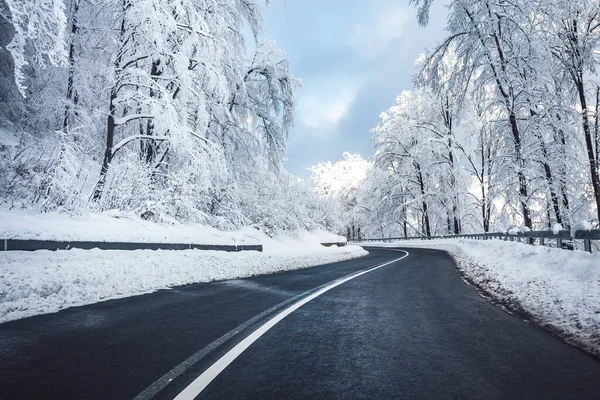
162, 382
201, 382
166, 379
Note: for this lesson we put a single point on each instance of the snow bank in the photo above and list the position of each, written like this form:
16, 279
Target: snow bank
126, 227
44, 281
113, 227
560, 289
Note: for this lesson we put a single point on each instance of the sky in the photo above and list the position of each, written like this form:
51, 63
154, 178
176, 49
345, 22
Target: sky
353, 58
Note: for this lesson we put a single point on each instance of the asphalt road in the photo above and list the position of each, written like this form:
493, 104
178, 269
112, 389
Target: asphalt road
409, 329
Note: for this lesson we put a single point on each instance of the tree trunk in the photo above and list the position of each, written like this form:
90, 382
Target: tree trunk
593, 162
485, 172
484, 215
523, 193
548, 174
563, 178
404, 216
72, 97
110, 135
110, 124
488, 203
550, 181
448, 119
150, 146
423, 201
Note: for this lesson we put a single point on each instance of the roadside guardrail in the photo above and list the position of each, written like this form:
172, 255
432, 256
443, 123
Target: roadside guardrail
338, 244
587, 236
30, 245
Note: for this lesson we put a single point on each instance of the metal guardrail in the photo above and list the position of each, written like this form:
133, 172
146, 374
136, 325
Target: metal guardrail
30, 245
531, 236
338, 244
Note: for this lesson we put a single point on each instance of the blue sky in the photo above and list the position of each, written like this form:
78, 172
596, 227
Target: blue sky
354, 58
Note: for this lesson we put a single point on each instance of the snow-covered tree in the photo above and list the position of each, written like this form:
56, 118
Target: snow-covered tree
39, 38
342, 182
155, 107
570, 30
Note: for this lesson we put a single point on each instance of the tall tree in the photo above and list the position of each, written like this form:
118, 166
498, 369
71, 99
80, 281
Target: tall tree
572, 33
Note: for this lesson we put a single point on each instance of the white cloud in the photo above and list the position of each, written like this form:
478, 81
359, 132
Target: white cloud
373, 39
336, 111
322, 111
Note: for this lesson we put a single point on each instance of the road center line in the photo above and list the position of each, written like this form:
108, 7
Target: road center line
201, 382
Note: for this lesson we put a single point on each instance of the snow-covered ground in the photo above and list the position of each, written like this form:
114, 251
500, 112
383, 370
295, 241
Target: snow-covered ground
44, 281
127, 227
559, 289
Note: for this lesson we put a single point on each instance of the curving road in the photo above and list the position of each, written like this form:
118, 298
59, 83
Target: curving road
408, 328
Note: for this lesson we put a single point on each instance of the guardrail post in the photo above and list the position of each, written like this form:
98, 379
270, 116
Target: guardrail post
587, 245
5, 244
559, 243
542, 241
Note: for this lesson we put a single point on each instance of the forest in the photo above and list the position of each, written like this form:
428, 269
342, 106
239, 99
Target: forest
501, 131
171, 109
176, 110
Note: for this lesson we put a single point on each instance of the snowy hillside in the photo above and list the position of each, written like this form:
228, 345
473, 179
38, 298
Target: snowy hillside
117, 226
